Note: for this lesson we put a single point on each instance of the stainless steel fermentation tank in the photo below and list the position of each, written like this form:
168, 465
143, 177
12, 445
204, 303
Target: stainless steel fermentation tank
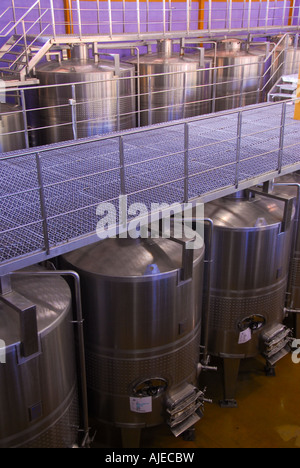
38, 383
290, 185
248, 277
12, 130
142, 314
238, 74
286, 59
172, 85
102, 99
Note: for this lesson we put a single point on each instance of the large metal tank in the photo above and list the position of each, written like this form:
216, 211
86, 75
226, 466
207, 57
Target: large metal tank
38, 384
248, 276
101, 101
172, 86
290, 185
142, 315
238, 74
286, 58
12, 135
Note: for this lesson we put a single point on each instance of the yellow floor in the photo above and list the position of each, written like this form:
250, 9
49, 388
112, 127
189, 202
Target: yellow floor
268, 413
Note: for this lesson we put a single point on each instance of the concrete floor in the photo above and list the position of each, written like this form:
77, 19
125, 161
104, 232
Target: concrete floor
267, 416
268, 413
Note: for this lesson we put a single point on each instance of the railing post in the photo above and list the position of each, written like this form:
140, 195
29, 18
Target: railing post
122, 166
74, 113
42, 203
14, 14
25, 118
53, 19
79, 18
281, 137
186, 163
238, 149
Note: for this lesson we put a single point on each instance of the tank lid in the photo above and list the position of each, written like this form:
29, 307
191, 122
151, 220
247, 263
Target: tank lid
51, 296
243, 213
132, 258
231, 45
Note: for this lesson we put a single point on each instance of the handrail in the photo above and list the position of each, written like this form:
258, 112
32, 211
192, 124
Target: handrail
226, 25
19, 21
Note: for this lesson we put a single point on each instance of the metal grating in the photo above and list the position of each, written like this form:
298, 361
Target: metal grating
49, 195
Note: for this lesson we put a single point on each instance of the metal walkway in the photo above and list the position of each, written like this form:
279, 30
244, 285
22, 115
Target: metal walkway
49, 195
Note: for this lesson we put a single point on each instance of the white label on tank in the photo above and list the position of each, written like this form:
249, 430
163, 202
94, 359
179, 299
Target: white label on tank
245, 336
141, 405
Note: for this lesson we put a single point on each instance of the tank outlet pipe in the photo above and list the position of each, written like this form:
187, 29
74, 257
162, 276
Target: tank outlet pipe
202, 368
79, 322
207, 286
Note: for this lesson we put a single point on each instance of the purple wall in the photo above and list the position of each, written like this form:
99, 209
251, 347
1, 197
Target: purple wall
220, 15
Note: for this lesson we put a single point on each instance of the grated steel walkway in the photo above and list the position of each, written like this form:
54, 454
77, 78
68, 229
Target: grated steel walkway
49, 195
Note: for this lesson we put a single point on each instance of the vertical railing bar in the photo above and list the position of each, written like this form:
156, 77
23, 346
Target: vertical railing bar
98, 16
187, 16
138, 17
43, 203
274, 11
267, 14
14, 14
249, 14
284, 11
184, 92
124, 15
259, 13
79, 18
164, 17
214, 90
170, 15
53, 19
122, 166
110, 19
40, 17
209, 14
229, 15
238, 148
186, 162
74, 112
242, 86
118, 104
149, 100
25, 45
24, 111
147, 15
281, 137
